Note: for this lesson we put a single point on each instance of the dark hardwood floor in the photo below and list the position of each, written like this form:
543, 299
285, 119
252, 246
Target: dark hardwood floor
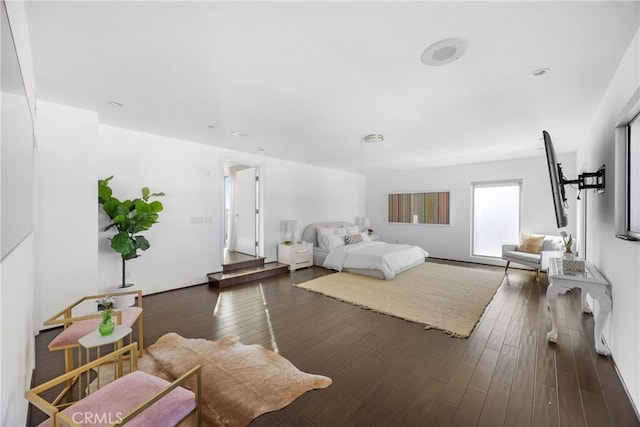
389, 372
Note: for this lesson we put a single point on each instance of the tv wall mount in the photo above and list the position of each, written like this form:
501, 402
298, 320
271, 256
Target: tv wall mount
586, 180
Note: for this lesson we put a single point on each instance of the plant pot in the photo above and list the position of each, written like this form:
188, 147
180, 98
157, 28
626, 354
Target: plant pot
106, 327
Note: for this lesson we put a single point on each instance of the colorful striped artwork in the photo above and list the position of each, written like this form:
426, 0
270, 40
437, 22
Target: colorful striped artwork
419, 208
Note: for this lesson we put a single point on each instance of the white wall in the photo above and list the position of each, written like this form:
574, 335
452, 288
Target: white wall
191, 175
20, 30
18, 344
454, 241
617, 259
67, 213
309, 194
17, 356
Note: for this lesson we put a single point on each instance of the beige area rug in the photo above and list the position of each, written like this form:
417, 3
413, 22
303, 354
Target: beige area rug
239, 382
440, 296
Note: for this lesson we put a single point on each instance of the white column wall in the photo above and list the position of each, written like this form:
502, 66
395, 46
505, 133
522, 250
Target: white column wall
17, 329
618, 260
17, 306
66, 224
454, 241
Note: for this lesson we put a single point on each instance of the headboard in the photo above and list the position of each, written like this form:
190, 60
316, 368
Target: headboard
310, 233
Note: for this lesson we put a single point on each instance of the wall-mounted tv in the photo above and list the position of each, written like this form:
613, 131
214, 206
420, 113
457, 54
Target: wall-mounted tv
585, 180
557, 182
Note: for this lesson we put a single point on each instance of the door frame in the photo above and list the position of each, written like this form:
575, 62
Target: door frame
261, 204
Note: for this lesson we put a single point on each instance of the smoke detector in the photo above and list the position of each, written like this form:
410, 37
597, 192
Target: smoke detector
444, 52
374, 137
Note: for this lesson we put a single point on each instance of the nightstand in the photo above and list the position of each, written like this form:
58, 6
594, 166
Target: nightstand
297, 255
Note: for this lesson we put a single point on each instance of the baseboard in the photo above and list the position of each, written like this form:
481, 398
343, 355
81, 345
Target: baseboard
624, 386
481, 263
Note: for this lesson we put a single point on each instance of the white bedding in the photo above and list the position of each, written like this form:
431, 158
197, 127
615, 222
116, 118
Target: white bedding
389, 258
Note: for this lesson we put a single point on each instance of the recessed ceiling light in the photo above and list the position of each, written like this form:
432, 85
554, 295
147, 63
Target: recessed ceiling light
260, 148
239, 133
211, 127
374, 137
539, 72
115, 104
444, 52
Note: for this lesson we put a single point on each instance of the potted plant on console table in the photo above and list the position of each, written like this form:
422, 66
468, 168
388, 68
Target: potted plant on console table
130, 218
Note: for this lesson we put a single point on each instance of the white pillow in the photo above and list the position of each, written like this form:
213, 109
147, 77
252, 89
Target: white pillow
331, 241
336, 241
324, 232
352, 229
365, 237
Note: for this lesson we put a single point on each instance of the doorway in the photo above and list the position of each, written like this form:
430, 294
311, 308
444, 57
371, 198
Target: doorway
242, 213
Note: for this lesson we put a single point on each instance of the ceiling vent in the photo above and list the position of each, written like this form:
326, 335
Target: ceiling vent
539, 72
444, 51
374, 137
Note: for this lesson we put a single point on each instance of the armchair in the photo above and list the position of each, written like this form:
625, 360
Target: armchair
76, 327
551, 247
137, 397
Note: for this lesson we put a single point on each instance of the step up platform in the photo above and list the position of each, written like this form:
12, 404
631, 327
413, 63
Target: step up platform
237, 261
255, 271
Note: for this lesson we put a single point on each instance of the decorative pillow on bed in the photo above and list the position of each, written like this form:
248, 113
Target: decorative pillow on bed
333, 241
329, 238
324, 233
350, 239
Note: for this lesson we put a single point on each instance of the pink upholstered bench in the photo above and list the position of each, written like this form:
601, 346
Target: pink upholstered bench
70, 336
137, 399
112, 402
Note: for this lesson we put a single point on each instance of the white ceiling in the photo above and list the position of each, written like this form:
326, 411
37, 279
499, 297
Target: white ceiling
308, 80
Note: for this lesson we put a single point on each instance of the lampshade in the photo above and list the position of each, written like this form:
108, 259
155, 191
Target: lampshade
292, 224
365, 222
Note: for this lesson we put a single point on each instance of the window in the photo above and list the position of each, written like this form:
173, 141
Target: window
633, 178
627, 170
496, 216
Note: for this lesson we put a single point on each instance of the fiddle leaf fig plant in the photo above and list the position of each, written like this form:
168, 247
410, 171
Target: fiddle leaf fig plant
129, 217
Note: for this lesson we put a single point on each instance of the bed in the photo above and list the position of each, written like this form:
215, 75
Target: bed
376, 259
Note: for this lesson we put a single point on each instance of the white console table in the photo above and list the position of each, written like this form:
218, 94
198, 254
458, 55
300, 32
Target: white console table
590, 283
